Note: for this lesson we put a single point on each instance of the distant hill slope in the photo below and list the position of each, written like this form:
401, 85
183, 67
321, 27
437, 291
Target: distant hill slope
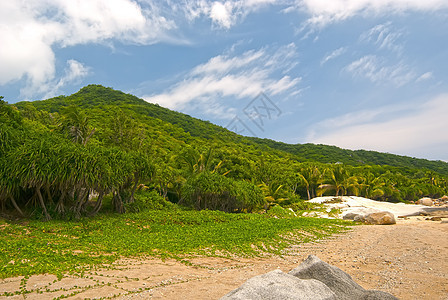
98, 96
333, 154
93, 96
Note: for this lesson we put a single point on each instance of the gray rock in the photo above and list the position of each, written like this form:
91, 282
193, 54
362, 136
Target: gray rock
277, 285
380, 218
342, 284
351, 216
425, 201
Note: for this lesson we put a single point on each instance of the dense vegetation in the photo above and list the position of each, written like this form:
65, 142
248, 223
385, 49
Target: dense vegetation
58, 246
333, 154
63, 157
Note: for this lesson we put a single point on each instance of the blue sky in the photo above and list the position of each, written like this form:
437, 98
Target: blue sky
358, 74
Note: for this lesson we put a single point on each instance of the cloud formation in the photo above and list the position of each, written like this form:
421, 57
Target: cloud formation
29, 31
238, 76
324, 12
377, 70
334, 54
73, 73
384, 36
403, 130
223, 14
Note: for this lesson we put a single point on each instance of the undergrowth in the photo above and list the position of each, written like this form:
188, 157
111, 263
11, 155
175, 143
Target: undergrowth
56, 247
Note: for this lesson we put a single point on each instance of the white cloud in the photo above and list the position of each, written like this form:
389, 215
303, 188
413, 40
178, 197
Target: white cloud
405, 130
376, 70
324, 12
223, 14
384, 37
333, 55
425, 76
74, 73
233, 76
29, 30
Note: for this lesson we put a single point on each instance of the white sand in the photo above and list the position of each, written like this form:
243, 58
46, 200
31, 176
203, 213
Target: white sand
352, 204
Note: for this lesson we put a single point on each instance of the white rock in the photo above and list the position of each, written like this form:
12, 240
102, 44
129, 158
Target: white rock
425, 201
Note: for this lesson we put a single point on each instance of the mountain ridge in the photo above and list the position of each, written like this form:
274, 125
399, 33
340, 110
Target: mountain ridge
97, 96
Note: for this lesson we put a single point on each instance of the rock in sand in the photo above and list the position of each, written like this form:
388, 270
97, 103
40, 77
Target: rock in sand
380, 218
426, 202
312, 279
337, 280
277, 285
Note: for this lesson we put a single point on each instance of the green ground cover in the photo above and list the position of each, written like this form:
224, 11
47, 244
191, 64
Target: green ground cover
57, 247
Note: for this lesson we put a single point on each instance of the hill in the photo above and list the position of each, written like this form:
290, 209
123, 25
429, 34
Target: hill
132, 154
333, 154
96, 96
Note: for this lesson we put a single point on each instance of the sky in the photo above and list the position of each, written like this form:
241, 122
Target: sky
358, 74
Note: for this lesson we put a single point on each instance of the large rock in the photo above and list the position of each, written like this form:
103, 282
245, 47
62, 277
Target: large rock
277, 285
313, 279
342, 284
352, 216
425, 201
380, 218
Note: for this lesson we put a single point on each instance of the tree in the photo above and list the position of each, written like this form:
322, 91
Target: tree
339, 180
77, 125
372, 186
217, 192
311, 177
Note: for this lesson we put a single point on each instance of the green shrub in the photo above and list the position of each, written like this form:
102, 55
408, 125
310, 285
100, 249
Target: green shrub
304, 205
148, 200
216, 192
280, 212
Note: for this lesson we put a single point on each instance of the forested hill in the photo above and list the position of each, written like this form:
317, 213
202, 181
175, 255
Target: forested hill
333, 154
135, 155
97, 96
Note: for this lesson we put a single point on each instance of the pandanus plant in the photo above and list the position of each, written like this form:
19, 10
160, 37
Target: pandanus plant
9, 187
34, 168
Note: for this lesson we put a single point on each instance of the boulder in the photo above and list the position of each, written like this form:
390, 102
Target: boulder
352, 216
277, 285
425, 201
380, 218
342, 284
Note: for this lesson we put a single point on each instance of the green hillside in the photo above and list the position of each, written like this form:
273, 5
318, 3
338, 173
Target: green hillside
101, 149
97, 96
333, 154
102, 97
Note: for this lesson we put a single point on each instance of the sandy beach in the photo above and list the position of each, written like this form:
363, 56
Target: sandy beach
407, 259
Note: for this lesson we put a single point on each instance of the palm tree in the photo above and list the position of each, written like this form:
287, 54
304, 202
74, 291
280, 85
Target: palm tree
77, 124
339, 180
372, 186
273, 193
311, 177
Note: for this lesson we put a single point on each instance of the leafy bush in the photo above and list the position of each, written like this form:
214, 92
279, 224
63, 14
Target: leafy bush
280, 212
304, 205
216, 192
148, 200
